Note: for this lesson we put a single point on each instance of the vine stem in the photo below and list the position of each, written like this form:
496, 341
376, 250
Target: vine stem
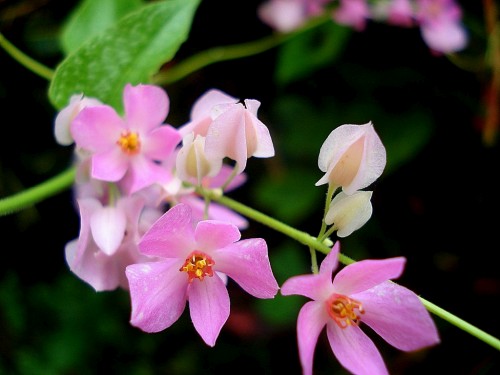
307, 239
25, 60
38, 193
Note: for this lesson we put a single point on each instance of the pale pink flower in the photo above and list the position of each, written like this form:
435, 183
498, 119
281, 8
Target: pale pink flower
107, 242
360, 293
192, 164
231, 129
283, 15
395, 12
204, 111
237, 133
441, 26
352, 157
353, 13
349, 212
193, 259
130, 147
63, 119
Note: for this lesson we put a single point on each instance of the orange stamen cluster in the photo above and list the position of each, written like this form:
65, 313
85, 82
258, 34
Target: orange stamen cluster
129, 142
198, 265
344, 311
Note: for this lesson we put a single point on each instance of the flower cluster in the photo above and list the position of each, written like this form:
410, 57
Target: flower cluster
440, 21
146, 227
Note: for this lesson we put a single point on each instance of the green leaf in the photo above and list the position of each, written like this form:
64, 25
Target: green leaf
130, 51
91, 17
310, 51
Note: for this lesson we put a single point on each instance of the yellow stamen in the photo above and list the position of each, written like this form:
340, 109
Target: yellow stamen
198, 265
344, 311
129, 142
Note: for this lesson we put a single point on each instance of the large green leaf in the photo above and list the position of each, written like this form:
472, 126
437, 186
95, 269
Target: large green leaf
130, 51
91, 17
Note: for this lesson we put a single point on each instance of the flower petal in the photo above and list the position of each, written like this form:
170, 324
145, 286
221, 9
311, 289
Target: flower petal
146, 106
316, 287
311, 320
226, 136
397, 314
209, 307
247, 263
97, 128
110, 165
212, 235
108, 228
365, 274
355, 350
161, 142
158, 294
171, 236
331, 261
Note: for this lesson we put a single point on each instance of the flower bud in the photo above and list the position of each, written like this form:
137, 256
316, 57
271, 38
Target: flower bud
349, 212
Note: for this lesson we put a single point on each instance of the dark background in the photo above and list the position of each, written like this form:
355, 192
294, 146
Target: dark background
437, 202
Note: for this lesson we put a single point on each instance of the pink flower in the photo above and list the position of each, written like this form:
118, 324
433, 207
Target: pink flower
204, 110
359, 293
352, 156
440, 25
231, 129
352, 13
238, 134
194, 259
128, 148
283, 15
107, 242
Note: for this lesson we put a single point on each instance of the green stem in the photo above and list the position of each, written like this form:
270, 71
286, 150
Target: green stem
300, 236
311, 241
25, 60
237, 51
462, 324
37, 193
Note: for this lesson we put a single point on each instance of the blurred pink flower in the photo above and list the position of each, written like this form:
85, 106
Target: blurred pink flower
441, 25
359, 293
283, 15
194, 259
352, 156
130, 147
353, 13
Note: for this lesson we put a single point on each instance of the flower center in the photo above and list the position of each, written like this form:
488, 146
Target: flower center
343, 310
129, 142
198, 265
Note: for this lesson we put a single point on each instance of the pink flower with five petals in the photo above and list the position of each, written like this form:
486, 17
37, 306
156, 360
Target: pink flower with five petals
360, 293
194, 259
128, 149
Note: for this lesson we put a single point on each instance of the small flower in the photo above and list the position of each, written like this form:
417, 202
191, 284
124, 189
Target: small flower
360, 293
283, 15
204, 110
192, 164
107, 242
231, 129
353, 13
128, 148
63, 119
193, 261
352, 156
349, 212
237, 133
441, 26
